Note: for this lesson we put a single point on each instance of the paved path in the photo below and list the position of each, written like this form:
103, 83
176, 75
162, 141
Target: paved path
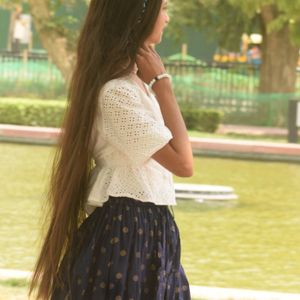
203, 146
253, 130
198, 292
6, 274
246, 149
28, 134
215, 293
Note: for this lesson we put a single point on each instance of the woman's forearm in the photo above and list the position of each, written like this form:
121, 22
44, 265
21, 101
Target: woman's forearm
173, 119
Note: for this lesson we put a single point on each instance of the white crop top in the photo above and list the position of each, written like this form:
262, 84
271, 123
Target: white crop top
129, 128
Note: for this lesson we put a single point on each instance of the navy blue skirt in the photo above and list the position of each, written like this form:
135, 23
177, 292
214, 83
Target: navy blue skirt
125, 250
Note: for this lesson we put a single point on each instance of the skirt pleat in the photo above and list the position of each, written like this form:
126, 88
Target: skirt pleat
125, 250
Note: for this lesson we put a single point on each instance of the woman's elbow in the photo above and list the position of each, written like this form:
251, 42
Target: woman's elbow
185, 170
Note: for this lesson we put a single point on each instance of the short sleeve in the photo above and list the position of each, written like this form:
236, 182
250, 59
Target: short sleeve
129, 126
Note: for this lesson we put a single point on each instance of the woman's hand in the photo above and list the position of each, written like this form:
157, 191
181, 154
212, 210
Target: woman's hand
149, 63
177, 155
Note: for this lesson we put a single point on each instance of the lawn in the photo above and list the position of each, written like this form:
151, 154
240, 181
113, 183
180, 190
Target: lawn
13, 290
253, 242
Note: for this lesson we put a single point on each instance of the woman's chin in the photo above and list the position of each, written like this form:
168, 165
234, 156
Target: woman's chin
159, 41
160, 38
155, 41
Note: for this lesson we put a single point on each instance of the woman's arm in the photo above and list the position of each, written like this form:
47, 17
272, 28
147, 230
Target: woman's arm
177, 155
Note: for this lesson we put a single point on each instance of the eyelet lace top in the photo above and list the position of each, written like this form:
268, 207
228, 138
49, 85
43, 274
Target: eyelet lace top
128, 130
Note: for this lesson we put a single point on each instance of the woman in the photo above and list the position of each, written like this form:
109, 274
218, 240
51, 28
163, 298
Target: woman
122, 141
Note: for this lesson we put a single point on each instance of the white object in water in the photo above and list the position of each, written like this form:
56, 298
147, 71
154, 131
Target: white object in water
202, 192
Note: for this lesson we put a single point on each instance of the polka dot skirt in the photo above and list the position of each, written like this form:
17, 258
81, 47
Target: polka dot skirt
125, 250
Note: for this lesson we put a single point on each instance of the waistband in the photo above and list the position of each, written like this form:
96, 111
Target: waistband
113, 201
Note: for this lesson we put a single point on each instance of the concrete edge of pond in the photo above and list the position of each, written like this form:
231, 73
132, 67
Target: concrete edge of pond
212, 147
246, 149
197, 292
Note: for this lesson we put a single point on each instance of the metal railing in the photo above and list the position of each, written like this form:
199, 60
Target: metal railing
231, 88
23, 66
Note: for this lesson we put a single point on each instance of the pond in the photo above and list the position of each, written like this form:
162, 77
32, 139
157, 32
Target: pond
252, 242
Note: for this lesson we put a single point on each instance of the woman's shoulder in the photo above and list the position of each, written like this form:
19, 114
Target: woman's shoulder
121, 83
121, 89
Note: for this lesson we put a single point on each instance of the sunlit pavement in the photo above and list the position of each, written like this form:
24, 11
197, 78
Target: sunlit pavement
198, 292
215, 293
248, 149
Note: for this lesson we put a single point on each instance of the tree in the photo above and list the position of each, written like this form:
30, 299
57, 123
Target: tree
277, 20
53, 36
55, 32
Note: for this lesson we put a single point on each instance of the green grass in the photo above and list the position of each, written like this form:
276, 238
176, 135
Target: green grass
12, 293
14, 289
250, 243
23, 174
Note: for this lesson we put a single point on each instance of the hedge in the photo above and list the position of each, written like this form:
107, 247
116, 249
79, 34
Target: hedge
45, 113
49, 113
205, 120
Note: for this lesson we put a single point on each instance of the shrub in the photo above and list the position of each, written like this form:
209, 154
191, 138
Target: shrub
47, 113
205, 120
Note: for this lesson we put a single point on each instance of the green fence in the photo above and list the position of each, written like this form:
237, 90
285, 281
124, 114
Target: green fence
226, 78
230, 88
29, 76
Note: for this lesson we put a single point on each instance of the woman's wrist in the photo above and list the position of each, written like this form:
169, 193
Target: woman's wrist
162, 89
158, 78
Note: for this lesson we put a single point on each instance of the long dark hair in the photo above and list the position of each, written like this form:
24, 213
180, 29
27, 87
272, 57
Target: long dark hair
111, 35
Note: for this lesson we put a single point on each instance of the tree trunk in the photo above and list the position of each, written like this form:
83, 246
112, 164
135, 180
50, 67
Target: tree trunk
55, 44
279, 56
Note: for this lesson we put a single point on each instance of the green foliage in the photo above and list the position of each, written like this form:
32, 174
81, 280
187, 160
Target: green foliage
50, 113
63, 25
63, 20
32, 112
200, 119
230, 18
9, 3
53, 4
61, 17
219, 18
